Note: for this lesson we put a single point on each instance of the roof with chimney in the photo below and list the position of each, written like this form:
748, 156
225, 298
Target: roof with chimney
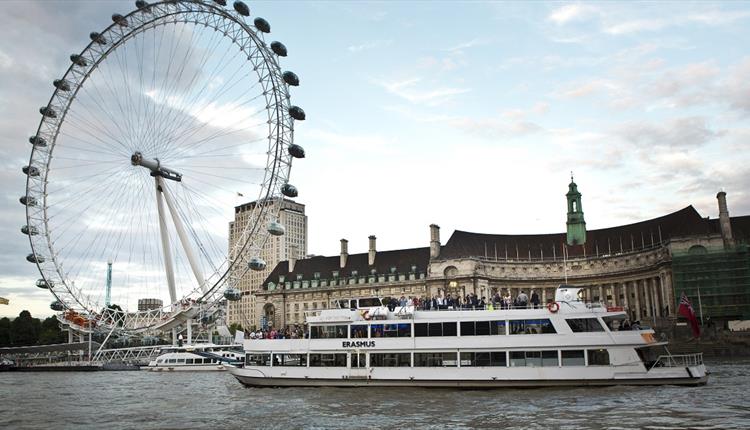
401, 259
624, 238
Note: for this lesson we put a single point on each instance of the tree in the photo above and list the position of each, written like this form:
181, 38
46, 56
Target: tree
25, 329
234, 327
6, 338
51, 332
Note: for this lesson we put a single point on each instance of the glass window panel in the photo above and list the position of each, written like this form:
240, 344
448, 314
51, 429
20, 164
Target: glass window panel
517, 359
450, 329
549, 358
390, 359
376, 330
359, 331
435, 329
573, 358
420, 329
467, 328
497, 358
497, 327
598, 357
534, 358
482, 328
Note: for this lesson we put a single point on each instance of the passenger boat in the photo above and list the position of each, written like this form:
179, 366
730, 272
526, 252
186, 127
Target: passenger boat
197, 357
567, 343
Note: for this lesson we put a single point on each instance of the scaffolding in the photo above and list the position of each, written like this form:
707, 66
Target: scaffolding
717, 281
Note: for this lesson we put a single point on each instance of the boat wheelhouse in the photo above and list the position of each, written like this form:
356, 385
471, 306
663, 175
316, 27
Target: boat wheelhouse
567, 343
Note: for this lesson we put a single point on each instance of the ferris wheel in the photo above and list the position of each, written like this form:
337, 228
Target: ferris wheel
158, 126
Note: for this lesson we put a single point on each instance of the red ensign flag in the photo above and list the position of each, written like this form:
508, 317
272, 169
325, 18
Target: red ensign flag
686, 310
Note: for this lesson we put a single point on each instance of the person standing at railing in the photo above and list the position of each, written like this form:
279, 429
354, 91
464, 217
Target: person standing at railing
522, 299
534, 299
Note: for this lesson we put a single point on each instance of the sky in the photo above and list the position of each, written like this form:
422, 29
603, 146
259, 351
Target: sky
469, 115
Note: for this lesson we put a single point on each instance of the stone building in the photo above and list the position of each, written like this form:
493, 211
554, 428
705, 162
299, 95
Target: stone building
291, 245
631, 265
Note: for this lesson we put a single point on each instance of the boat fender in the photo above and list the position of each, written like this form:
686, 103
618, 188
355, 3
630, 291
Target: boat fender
553, 307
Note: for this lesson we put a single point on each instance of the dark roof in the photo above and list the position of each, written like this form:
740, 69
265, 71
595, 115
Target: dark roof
740, 227
685, 222
401, 259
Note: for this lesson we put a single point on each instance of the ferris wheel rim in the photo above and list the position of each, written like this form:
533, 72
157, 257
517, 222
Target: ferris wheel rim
279, 162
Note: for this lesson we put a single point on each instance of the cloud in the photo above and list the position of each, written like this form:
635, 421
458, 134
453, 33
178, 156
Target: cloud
407, 90
369, 45
571, 13
686, 133
466, 45
635, 26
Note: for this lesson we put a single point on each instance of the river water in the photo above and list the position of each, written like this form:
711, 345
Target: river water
215, 400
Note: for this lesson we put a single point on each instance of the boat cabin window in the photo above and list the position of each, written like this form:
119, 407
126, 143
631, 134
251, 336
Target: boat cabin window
290, 360
329, 332
533, 358
359, 331
369, 302
258, 359
483, 359
573, 358
188, 361
390, 359
436, 329
390, 330
613, 322
581, 325
172, 360
542, 326
359, 360
482, 328
598, 357
327, 360
347, 304
435, 359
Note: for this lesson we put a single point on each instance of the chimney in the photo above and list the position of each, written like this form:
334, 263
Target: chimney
434, 241
293, 251
344, 252
371, 254
726, 226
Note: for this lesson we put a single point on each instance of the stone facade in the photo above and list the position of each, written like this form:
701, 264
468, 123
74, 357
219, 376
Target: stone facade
293, 244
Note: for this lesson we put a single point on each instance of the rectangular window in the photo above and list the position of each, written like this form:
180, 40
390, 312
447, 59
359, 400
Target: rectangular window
573, 358
391, 330
497, 327
359, 360
257, 359
467, 328
450, 329
583, 325
435, 329
290, 360
483, 359
359, 331
390, 359
435, 359
329, 332
598, 357
420, 330
533, 358
327, 360
549, 359
542, 326
369, 302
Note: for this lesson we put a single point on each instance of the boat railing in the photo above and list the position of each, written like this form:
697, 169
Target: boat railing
680, 360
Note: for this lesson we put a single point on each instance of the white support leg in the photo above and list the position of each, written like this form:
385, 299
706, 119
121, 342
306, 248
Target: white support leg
183, 237
190, 331
165, 243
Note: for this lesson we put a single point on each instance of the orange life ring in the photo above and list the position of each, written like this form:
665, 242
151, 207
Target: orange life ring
553, 307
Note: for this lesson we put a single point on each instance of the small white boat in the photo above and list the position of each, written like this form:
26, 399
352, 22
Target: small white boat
197, 357
566, 343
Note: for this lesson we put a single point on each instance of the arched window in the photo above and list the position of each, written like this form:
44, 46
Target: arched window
697, 250
450, 271
574, 206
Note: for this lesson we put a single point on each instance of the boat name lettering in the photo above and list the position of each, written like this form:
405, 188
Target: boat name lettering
358, 344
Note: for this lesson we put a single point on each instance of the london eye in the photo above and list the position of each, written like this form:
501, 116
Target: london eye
164, 119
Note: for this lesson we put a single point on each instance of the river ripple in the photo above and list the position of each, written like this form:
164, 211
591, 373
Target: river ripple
127, 400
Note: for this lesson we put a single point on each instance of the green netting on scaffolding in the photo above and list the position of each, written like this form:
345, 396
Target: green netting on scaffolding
717, 281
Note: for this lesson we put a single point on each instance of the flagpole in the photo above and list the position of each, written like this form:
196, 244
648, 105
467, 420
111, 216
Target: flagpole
700, 305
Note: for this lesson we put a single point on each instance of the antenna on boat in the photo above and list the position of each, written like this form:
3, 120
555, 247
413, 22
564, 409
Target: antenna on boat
565, 263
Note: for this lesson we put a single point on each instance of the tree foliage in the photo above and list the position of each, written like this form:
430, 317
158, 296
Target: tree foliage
26, 330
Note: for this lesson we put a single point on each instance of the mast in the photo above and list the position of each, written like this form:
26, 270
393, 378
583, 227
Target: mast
108, 295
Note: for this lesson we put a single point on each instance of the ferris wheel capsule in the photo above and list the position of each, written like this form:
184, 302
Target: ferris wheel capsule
276, 228
97, 38
78, 60
61, 84
241, 8
57, 306
41, 283
296, 151
289, 190
221, 2
143, 5
290, 78
48, 112
28, 201
232, 294
29, 230
30, 170
33, 258
297, 113
256, 263
279, 49
262, 25
38, 141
